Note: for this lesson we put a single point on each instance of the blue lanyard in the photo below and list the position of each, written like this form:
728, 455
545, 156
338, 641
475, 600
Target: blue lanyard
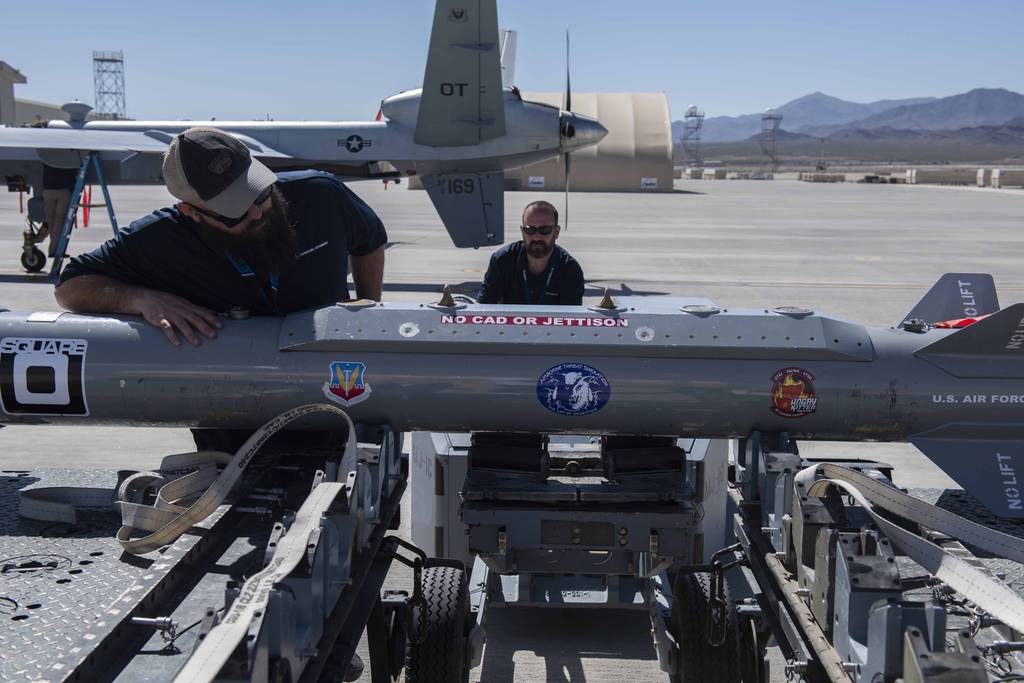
245, 270
526, 284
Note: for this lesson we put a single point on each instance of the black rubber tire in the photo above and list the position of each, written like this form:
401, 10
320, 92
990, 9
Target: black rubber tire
33, 261
751, 652
279, 671
441, 656
699, 661
355, 668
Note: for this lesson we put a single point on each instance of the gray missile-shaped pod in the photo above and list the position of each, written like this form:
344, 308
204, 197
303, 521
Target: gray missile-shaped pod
652, 366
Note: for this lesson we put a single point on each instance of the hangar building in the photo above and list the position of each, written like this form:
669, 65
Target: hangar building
17, 111
635, 156
8, 77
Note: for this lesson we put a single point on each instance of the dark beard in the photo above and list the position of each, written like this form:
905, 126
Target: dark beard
268, 246
539, 249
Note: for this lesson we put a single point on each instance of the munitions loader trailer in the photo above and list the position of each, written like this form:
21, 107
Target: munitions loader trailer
712, 538
718, 541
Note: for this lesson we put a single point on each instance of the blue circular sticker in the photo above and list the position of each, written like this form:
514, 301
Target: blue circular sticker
573, 389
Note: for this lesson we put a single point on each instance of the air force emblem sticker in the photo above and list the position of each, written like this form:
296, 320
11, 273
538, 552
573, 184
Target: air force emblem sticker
347, 385
458, 15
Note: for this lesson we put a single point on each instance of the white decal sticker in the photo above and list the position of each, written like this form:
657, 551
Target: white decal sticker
1011, 487
648, 183
1016, 337
967, 299
975, 399
533, 320
42, 376
536, 181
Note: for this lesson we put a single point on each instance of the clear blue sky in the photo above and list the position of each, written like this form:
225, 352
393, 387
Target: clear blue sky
336, 60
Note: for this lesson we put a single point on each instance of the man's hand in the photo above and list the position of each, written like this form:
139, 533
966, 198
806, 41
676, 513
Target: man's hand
170, 312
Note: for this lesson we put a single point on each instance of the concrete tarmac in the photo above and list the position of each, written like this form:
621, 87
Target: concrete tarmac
867, 253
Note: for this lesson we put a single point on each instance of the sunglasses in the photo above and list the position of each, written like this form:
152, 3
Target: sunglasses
232, 222
534, 229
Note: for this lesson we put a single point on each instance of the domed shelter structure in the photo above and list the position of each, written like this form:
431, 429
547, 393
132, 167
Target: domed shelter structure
635, 156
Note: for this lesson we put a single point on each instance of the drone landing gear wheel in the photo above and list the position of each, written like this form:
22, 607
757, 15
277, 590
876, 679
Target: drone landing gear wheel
33, 260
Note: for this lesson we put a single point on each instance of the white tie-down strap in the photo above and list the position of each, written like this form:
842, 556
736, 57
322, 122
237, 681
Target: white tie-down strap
177, 488
186, 501
253, 598
987, 593
63, 503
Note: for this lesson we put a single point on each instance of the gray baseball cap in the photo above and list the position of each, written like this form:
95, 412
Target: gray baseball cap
209, 168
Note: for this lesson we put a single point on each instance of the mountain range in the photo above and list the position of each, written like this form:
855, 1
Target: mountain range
993, 115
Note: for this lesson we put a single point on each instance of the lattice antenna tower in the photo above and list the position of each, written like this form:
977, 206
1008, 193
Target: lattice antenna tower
692, 123
770, 121
108, 81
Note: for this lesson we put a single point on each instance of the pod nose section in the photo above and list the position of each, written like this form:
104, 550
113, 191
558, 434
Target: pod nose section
577, 131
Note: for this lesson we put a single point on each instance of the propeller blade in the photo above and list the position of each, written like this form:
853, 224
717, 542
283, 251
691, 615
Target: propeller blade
568, 89
567, 168
568, 107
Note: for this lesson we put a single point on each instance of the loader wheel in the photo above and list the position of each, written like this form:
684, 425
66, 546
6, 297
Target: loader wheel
33, 261
279, 670
752, 652
440, 657
699, 660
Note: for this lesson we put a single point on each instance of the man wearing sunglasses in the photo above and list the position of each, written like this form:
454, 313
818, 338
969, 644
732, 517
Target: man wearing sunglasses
240, 236
535, 270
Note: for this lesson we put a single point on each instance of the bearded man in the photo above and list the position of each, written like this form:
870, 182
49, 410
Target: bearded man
534, 270
241, 236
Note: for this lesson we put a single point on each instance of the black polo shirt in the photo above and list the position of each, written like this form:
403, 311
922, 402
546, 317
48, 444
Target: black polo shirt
165, 251
508, 279
59, 178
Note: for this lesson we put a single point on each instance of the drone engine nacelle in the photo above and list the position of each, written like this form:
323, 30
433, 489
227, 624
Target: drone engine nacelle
402, 108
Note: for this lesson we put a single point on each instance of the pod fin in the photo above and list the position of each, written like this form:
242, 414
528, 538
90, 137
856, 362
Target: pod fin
955, 296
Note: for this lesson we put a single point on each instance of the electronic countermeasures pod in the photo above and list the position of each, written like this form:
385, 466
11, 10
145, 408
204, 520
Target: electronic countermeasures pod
649, 366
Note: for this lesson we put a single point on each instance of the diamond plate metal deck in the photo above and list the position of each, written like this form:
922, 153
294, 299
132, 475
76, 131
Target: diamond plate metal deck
64, 587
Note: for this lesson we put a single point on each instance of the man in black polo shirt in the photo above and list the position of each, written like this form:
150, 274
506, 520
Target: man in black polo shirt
534, 270
241, 236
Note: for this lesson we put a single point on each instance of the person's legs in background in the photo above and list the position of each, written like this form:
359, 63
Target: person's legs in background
56, 204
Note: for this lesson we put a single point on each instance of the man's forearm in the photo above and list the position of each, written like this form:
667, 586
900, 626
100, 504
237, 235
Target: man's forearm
98, 294
368, 274
172, 314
